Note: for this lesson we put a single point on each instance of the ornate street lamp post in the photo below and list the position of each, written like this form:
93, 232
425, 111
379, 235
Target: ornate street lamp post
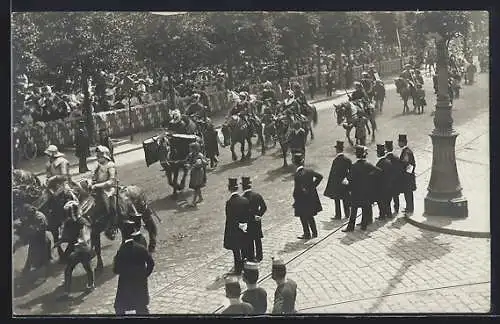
444, 197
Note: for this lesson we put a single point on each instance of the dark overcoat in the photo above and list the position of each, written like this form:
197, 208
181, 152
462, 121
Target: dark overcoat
82, 144
297, 141
341, 166
237, 211
257, 207
408, 182
362, 182
396, 173
305, 195
133, 264
211, 143
383, 180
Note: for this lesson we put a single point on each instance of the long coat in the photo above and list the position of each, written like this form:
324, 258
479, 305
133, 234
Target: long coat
384, 185
237, 211
341, 166
362, 182
257, 207
211, 143
396, 173
408, 182
133, 264
82, 145
305, 195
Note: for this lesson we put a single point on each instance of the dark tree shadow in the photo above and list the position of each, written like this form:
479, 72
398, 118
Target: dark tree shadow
402, 244
234, 165
22, 285
279, 172
359, 235
293, 246
51, 303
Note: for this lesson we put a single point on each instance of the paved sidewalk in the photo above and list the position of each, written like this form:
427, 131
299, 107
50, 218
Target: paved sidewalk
37, 165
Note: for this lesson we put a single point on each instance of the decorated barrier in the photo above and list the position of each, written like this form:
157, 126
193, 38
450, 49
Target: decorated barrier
150, 116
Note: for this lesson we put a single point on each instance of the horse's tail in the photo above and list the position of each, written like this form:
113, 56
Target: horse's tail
314, 115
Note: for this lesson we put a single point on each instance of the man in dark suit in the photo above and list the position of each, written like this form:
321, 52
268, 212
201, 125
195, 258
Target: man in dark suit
361, 182
82, 147
408, 183
257, 209
337, 181
395, 175
236, 228
306, 199
133, 264
297, 139
383, 190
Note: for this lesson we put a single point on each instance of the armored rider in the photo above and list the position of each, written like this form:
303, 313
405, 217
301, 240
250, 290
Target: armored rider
57, 168
300, 97
242, 109
372, 73
196, 110
104, 183
268, 93
291, 107
176, 124
407, 74
367, 83
359, 92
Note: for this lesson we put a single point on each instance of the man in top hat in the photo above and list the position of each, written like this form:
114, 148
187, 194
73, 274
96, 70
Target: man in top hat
233, 292
254, 295
306, 199
337, 187
361, 181
105, 140
236, 229
286, 290
383, 190
394, 175
409, 184
104, 182
57, 166
82, 147
257, 208
135, 224
133, 264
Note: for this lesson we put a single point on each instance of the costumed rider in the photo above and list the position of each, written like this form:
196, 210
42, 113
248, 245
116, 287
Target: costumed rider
57, 168
372, 73
104, 184
243, 109
268, 93
407, 74
359, 92
196, 111
300, 97
367, 83
176, 124
76, 232
291, 107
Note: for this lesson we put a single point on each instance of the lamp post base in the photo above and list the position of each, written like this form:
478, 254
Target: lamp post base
455, 207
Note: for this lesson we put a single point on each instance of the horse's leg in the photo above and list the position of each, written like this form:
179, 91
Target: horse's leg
233, 154
184, 176
311, 130
261, 136
152, 229
96, 242
348, 135
284, 150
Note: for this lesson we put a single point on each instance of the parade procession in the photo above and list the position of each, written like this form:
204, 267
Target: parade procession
279, 175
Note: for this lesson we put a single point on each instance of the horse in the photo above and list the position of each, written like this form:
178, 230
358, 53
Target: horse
312, 120
406, 91
379, 95
283, 129
269, 129
236, 130
346, 113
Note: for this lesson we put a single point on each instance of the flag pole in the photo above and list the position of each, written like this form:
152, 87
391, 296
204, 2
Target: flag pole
400, 49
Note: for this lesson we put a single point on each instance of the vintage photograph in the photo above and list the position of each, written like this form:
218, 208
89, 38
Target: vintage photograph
250, 163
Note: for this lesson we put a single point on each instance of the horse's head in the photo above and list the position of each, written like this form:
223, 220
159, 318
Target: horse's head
341, 111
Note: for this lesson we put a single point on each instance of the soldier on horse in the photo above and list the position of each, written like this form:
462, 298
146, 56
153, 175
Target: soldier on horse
408, 75
268, 93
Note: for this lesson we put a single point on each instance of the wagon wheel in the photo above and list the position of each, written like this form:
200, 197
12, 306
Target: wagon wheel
29, 150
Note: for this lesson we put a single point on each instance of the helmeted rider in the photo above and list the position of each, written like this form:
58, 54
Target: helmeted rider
57, 169
372, 72
268, 93
196, 110
367, 83
407, 74
291, 107
359, 92
76, 232
104, 183
300, 97
243, 109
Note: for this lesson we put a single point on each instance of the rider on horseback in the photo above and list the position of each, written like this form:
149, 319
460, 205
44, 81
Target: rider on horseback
359, 92
367, 83
104, 183
57, 167
176, 124
407, 74
196, 110
243, 109
300, 97
418, 77
291, 107
268, 93
372, 73
297, 139
76, 232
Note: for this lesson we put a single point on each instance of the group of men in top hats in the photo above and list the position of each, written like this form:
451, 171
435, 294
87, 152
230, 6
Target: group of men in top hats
254, 300
359, 184
243, 230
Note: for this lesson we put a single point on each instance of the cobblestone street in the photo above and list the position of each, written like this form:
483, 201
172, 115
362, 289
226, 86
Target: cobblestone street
393, 267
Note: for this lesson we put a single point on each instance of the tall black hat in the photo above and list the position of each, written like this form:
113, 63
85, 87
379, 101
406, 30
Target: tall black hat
380, 150
246, 181
340, 145
233, 183
389, 146
361, 152
402, 138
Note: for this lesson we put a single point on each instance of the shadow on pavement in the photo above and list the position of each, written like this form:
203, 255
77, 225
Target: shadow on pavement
396, 251
333, 224
398, 223
293, 246
22, 285
170, 203
234, 165
51, 302
218, 283
279, 172
359, 235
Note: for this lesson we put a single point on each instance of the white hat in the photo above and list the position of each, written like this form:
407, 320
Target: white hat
53, 151
104, 151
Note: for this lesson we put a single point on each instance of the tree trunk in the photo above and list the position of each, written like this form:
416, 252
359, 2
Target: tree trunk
230, 72
339, 68
318, 58
87, 108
